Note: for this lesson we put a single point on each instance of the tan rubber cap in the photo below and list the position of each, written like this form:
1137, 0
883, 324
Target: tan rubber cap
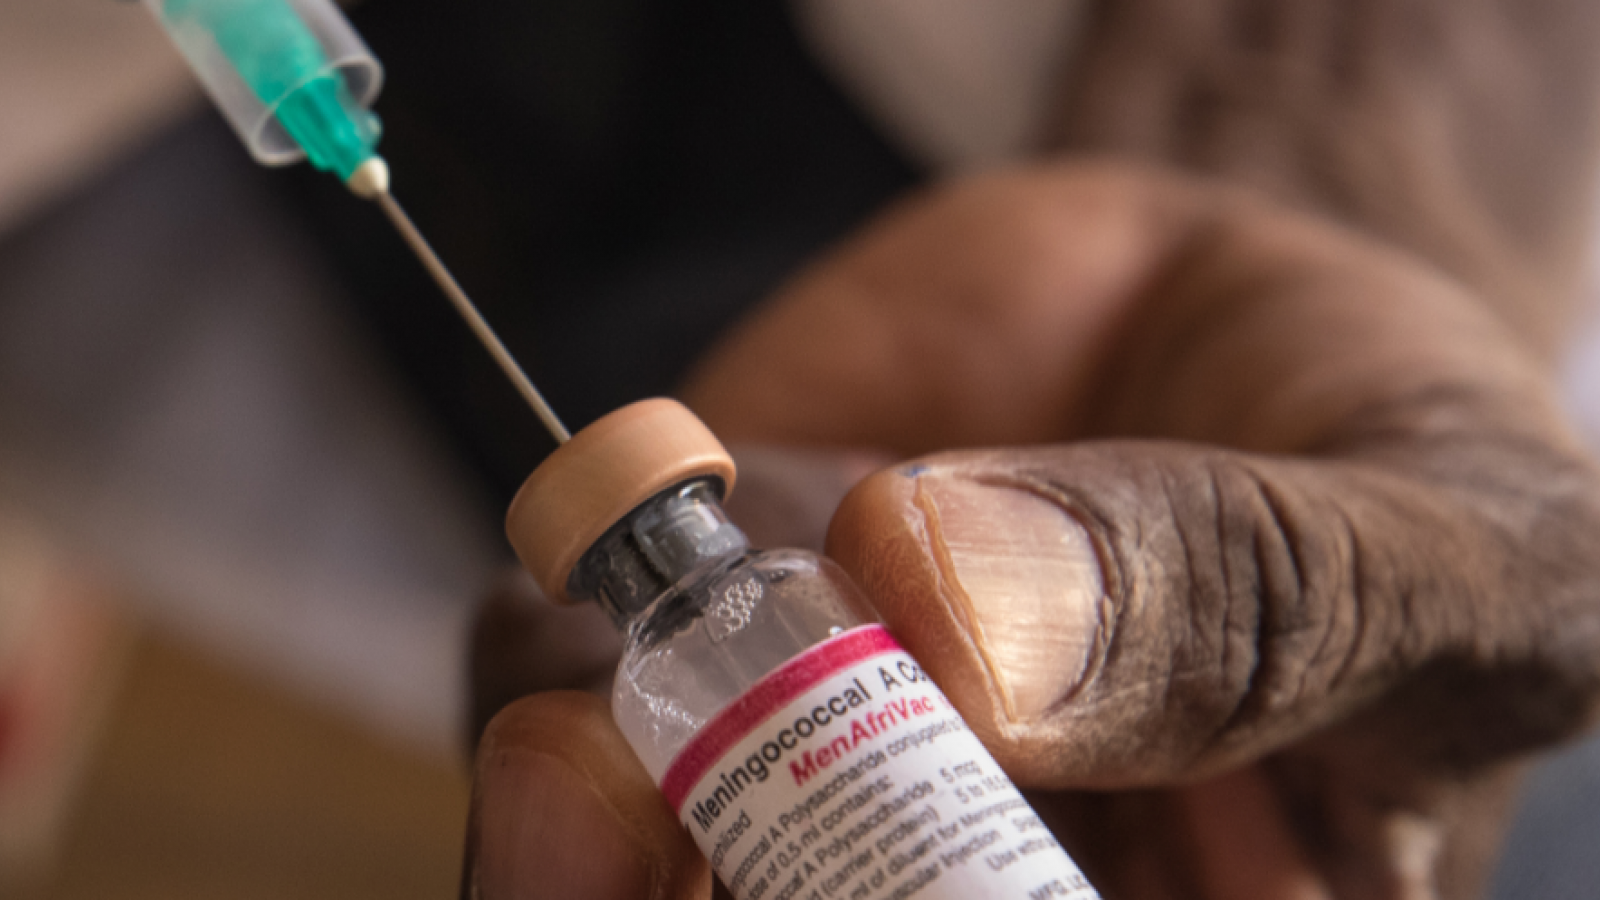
601, 475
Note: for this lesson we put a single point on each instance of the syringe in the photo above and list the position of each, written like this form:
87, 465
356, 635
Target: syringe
296, 82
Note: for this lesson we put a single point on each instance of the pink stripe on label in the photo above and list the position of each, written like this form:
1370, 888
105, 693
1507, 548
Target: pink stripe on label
769, 695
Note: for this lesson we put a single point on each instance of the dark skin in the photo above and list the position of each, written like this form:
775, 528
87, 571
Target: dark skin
1297, 559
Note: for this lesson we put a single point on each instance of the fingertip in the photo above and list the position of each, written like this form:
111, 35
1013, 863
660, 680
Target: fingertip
562, 808
994, 584
878, 536
521, 643
552, 722
892, 535
873, 519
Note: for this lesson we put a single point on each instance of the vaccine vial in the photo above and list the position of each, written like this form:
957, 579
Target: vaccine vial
807, 753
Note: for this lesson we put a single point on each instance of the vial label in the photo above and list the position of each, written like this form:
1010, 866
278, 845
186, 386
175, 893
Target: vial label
847, 775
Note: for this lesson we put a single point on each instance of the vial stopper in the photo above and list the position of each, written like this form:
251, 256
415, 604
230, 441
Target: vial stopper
605, 472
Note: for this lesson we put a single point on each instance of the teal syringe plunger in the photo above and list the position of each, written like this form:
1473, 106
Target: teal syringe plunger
296, 82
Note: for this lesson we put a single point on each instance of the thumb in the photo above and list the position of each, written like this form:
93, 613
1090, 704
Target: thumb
563, 808
1134, 613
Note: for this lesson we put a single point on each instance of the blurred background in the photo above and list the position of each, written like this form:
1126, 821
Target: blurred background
250, 470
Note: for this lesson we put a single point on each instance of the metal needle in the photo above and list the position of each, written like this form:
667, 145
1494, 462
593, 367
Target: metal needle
474, 319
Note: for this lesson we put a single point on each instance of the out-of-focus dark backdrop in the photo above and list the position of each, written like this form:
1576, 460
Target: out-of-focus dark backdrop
251, 467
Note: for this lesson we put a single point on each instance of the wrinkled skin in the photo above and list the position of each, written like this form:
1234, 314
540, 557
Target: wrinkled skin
1287, 635
1281, 560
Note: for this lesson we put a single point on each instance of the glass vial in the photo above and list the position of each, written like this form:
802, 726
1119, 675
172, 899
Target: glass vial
806, 752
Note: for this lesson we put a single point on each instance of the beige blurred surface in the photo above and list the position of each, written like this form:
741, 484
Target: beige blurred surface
208, 784
81, 81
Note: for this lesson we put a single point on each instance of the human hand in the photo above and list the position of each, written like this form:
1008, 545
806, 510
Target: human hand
1288, 636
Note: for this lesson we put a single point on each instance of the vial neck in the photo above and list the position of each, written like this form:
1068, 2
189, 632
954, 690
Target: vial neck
670, 540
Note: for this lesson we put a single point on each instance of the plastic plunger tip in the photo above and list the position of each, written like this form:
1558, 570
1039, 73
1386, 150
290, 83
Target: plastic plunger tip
370, 179
605, 472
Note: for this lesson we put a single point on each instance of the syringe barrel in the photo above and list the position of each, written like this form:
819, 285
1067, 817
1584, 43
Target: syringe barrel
252, 55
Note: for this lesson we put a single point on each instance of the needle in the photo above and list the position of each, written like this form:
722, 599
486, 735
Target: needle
474, 319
